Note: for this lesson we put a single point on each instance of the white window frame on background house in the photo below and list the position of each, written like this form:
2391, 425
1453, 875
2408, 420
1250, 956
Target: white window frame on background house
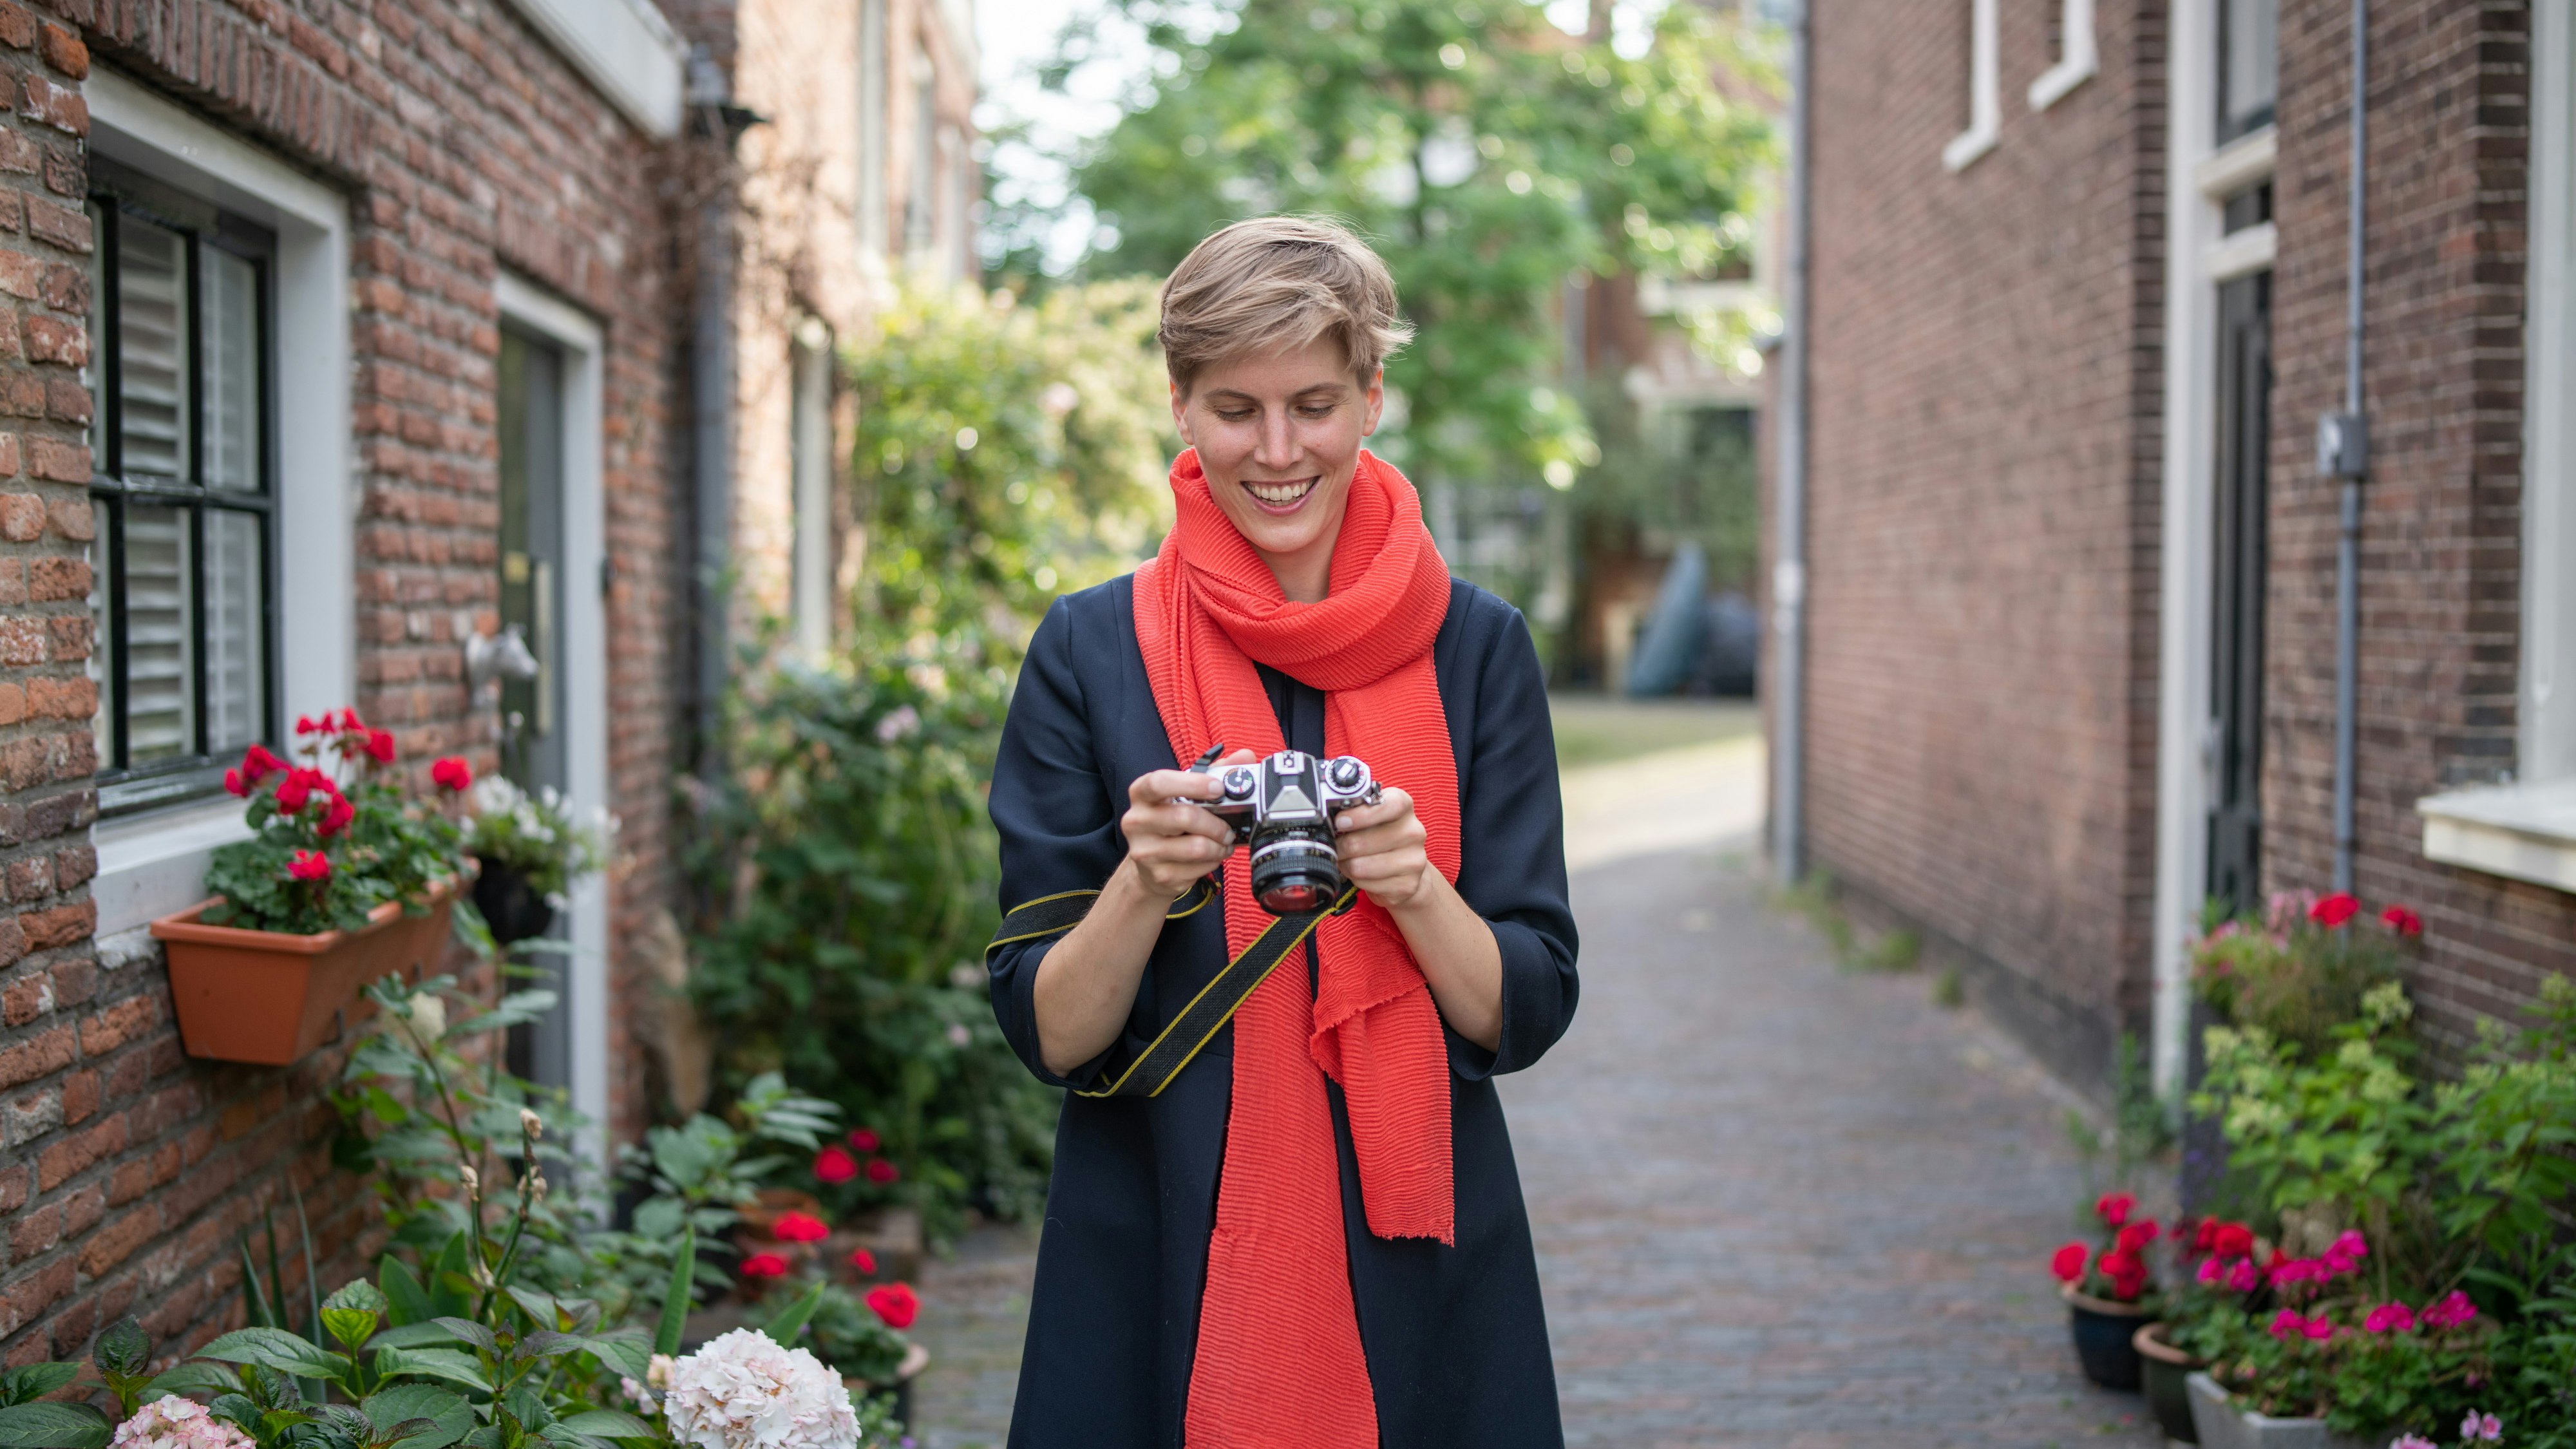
578, 338
154, 862
809, 471
2526, 830
1985, 91
2202, 254
2078, 59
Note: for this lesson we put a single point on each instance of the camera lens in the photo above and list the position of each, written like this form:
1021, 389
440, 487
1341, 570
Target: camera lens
1295, 868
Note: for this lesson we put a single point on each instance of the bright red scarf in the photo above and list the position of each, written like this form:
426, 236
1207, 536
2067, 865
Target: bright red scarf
1279, 1360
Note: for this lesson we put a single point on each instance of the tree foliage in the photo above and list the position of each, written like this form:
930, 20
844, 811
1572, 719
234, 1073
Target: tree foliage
1488, 155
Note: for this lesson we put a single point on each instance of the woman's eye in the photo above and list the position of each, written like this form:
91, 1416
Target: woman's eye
1239, 415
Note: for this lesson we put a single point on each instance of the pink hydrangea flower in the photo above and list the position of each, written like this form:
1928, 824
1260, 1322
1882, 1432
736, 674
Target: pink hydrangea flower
171, 1422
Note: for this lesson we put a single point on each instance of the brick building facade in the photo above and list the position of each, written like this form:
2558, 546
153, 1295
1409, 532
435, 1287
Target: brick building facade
2078, 294
340, 334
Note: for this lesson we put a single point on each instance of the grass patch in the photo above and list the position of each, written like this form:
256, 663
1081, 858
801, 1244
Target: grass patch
1949, 991
1814, 899
1594, 729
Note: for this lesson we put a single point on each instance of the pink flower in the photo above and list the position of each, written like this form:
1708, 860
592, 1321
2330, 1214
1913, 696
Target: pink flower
2297, 1270
2317, 1328
309, 865
2211, 1270
2481, 1426
2403, 921
2334, 910
2412, 1441
2345, 1253
764, 1265
2115, 1207
2454, 1310
2389, 1318
796, 1227
2069, 1263
865, 1139
864, 1261
882, 1172
2286, 1322
2244, 1276
833, 1165
451, 773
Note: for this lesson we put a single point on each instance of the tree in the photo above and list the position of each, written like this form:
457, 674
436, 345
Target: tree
1490, 156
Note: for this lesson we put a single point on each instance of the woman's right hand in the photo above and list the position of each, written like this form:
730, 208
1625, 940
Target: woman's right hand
1171, 843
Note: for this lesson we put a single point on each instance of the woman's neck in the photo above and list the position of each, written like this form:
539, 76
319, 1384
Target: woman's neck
1305, 576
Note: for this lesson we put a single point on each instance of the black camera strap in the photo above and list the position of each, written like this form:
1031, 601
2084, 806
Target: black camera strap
1214, 1006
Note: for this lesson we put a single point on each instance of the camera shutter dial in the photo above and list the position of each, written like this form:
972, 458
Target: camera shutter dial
1238, 783
1347, 772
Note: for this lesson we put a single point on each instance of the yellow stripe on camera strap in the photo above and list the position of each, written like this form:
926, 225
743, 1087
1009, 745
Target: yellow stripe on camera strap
1214, 1006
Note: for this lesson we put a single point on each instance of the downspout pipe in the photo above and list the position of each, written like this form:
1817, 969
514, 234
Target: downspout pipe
1789, 495
2343, 450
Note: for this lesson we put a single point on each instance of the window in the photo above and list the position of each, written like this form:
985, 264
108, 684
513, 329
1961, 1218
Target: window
184, 588
1985, 104
2248, 66
2549, 463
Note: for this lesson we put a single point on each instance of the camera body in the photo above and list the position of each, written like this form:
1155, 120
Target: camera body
1282, 807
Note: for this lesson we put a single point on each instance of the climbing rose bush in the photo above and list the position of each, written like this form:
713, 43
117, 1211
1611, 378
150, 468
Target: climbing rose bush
743, 1391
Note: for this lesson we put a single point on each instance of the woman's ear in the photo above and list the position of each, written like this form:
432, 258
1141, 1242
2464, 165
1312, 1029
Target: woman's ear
1181, 415
1376, 403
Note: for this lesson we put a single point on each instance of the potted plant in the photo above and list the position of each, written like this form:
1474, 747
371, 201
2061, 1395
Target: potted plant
344, 879
2109, 1291
531, 850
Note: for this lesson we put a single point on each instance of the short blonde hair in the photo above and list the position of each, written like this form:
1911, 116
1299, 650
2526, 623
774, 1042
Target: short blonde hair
1279, 282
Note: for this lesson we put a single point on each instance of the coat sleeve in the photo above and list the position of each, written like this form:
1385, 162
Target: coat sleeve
1512, 857
1056, 818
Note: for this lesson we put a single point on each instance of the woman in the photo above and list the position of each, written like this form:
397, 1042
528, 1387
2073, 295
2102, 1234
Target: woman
1313, 1234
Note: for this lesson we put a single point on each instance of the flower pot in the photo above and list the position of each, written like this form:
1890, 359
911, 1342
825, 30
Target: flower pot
270, 998
915, 1359
515, 910
891, 1235
2223, 1425
760, 1215
2102, 1330
2161, 1370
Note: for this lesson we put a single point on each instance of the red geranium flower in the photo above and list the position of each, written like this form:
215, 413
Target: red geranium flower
2204, 1234
865, 1139
349, 719
234, 784
2232, 1240
796, 1227
2069, 1263
764, 1265
895, 1303
2137, 1235
2332, 911
309, 865
336, 817
2114, 1207
258, 764
306, 724
882, 1172
451, 773
864, 1261
2403, 921
833, 1165
380, 746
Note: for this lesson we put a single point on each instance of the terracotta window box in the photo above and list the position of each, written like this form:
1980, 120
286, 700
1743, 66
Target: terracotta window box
270, 998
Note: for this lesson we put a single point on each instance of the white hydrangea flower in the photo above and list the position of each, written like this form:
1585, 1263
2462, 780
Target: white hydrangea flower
743, 1391
493, 795
171, 1422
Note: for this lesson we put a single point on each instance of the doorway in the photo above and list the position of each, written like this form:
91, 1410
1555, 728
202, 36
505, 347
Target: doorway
533, 756
2237, 577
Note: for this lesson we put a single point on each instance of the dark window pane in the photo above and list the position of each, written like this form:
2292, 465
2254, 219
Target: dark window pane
102, 654
232, 372
160, 664
152, 348
236, 667
94, 372
2250, 78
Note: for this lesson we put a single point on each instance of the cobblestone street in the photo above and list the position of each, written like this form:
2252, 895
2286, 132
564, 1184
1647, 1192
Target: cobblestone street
1776, 1203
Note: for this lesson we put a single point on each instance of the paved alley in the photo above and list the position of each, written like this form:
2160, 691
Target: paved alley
1776, 1203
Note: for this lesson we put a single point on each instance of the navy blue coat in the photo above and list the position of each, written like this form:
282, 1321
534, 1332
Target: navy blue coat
1455, 1337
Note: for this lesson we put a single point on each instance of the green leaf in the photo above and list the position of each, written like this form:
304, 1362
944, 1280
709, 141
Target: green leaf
466, 1330
415, 1335
449, 1418
53, 1426
675, 1306
124, 1348
30, 1382
444, 1296
609, 1424
444, 1364
273, 1348
193, 1378
541, 1308
783, 1329
623, 1350
546, 1343
350, 1326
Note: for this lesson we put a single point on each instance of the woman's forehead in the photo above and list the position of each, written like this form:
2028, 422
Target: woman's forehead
1280, 372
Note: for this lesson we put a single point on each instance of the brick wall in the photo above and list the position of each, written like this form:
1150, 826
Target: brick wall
1984, 493
2440, 583
465, 146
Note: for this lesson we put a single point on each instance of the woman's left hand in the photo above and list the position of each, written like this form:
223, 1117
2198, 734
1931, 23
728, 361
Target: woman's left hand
1382, 850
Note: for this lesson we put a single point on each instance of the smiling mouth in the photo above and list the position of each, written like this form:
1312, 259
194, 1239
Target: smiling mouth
1282, 495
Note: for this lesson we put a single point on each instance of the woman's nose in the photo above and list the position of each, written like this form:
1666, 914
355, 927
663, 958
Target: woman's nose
1277, 447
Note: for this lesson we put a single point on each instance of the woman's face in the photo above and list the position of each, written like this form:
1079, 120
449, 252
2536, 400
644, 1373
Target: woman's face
1279, 436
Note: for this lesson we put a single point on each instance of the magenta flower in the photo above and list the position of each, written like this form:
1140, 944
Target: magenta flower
2345, 1254
2451, 1312
2481, 1426
2243, 1276
2389, 1318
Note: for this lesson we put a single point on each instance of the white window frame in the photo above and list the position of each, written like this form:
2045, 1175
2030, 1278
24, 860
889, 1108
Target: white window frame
809, 472
578, 337
153, 863
1985, 91
2078, 58
2526, 829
